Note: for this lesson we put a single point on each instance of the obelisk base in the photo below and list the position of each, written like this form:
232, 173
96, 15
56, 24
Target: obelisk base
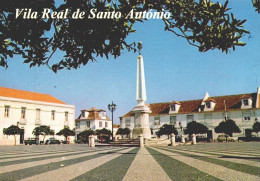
141, 118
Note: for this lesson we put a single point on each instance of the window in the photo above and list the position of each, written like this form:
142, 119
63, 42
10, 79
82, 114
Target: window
23, 112
106, 124
102, 114
52, 115
128, 123
172, 107
38, 111
88, 124
66, 116
100, 124
208, 118
208, 105
77, 125
156, 120
247, 116
83, 114
245, 102
173, 120
7, 111
190, 118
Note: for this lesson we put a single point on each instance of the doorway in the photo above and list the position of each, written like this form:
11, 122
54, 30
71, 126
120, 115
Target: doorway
21, 136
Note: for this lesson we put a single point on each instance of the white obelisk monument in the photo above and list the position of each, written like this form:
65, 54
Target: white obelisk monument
141, 111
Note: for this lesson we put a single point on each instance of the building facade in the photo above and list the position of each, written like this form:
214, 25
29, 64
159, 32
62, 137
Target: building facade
29, 110
244, 109
93, 119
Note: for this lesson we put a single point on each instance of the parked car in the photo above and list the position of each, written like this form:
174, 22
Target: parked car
31, 141
65, 142
52, 141
80, 141
222, 138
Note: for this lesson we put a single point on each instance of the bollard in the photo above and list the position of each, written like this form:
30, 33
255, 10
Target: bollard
173, 140
91, 141
193, 139
182, 139
141, 140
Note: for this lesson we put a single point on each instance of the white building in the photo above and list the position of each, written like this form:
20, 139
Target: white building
29, 110
93, 119
244, 109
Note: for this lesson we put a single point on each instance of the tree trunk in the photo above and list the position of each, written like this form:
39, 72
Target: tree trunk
14, 139
44, 138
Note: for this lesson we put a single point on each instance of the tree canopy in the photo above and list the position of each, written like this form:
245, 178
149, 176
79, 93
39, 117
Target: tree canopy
195, 128
123, 131
256, 127
43, 130
167, 129
103, 132
12, 130
83, 136
227, 127
66, 131
202, 23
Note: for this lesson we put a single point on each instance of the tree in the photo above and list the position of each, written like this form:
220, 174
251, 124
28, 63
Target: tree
127, 131
123, 131
167, 129
228, 128
104, 133
120, 131
83, 136
43, 130
203, 24
66, 131
195, 128
256, 127
12, 130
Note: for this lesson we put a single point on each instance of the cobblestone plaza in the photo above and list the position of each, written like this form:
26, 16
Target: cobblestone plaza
211, 161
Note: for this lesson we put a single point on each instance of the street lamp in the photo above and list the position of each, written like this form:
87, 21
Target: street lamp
112, 108
256, 4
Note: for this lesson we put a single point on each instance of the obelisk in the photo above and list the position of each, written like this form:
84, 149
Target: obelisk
141, 111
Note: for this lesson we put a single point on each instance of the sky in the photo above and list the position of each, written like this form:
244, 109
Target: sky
174, 70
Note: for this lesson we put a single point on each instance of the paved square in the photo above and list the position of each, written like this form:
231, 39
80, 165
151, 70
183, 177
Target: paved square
212, 161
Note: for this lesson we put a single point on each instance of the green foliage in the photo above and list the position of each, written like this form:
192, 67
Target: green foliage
66, 131
123, 131
227, 127
43, 130
195, 128
203, 24
12, 130
83, 136
256, 127
103, 132
167, 129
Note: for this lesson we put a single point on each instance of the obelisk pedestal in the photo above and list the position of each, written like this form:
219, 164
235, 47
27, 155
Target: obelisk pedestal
141, 117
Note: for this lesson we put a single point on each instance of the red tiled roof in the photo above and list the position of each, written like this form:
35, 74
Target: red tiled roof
233, 102
246, 96
93, 114
176, 102
93, 109
210, 100
34, 96
116, 125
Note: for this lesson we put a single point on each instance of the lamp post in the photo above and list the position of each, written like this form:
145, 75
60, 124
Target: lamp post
256, 4
112, 108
